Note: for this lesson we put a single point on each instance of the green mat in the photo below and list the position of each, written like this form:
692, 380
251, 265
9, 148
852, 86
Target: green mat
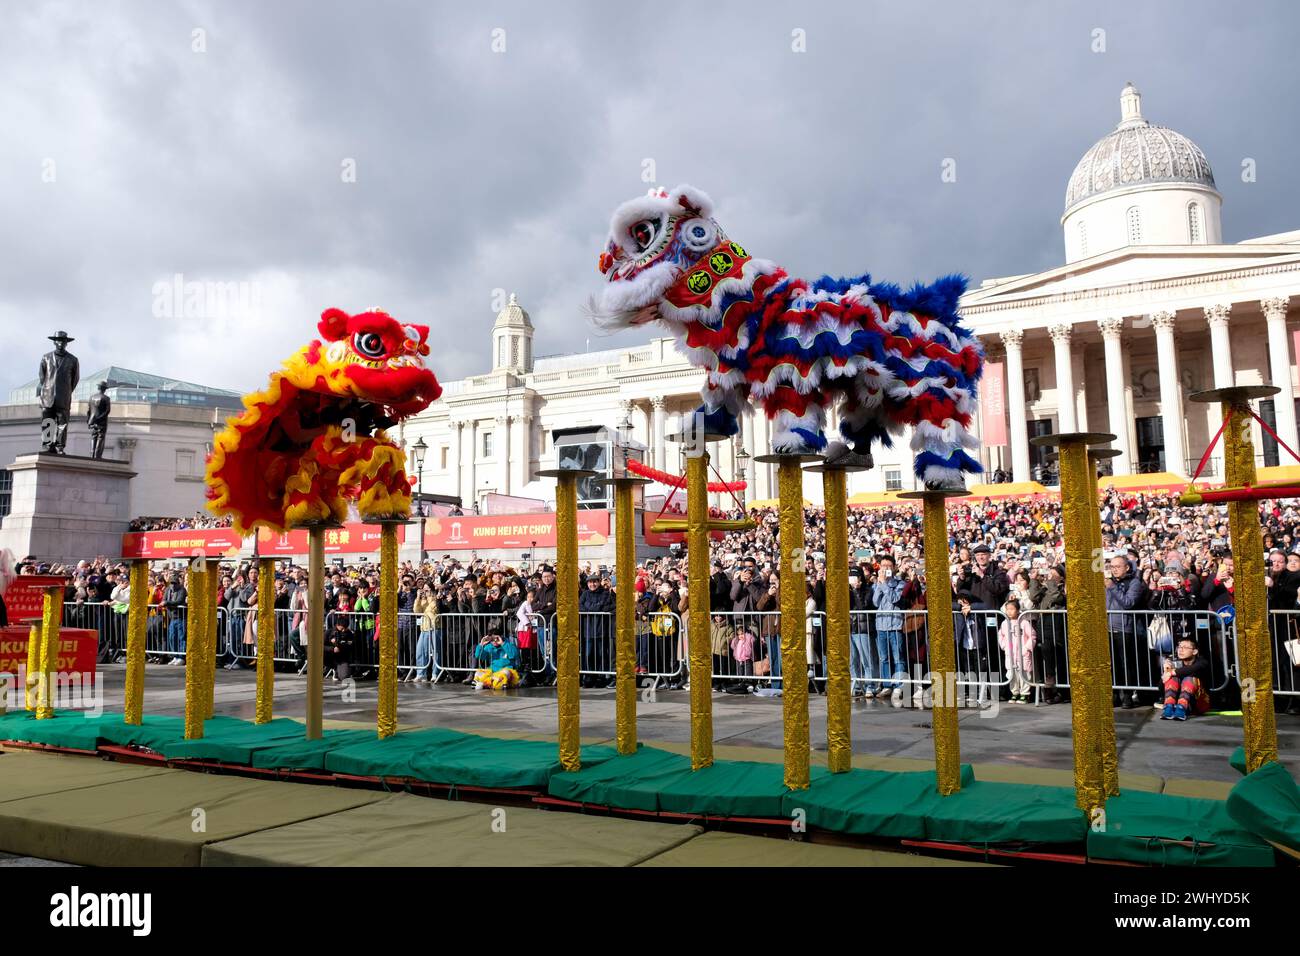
987, 812
493, 762
391, 756
73, 731
603, 784
1267, 802
304, 754
872, 802
731, 788
1163, 830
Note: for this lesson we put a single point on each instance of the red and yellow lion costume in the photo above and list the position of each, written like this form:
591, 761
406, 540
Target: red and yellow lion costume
315, 438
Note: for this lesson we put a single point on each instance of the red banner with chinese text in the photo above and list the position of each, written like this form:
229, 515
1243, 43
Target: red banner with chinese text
474, 532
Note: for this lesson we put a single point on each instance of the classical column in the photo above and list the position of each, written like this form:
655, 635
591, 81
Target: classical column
657, 445
1279, 363
455, 467
1079, 366
1067, 420
469, 496
502, 449
1011, 339
1112, 330
1171, 398
523, 451
1220, 344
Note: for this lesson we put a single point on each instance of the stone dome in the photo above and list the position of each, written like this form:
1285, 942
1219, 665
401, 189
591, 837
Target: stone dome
513, 316
1137, 153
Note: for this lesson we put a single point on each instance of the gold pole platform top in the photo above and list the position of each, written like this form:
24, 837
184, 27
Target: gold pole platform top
778, 458
689, 437
315, 523
1235, 394
1087, 438
388, 519
625, 481
564, 472
824, 466
925, 494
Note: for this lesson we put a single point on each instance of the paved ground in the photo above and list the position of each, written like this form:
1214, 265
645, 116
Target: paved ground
1016, 734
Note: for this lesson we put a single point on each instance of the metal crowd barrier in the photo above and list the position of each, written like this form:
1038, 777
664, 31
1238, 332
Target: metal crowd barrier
1139, 641
1284, 629
660, 646
897, 655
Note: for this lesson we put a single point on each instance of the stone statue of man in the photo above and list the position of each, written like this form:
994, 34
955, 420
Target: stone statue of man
60, 373
97, 419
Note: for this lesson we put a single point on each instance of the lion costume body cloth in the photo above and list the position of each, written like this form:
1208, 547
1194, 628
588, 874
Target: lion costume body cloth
314, 439
891, 358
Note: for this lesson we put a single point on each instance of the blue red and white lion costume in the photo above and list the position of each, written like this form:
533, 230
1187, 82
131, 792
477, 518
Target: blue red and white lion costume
891, 358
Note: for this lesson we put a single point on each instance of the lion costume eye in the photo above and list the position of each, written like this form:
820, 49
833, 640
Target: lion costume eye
643, 233
368, 344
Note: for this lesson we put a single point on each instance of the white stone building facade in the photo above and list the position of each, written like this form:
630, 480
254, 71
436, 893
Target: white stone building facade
1149, 307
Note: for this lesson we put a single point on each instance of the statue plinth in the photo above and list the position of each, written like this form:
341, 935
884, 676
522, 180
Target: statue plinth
67, 507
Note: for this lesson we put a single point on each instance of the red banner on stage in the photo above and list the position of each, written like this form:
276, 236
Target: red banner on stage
77, 652
475, 532
993, 416
356, 538
26, 595
198, 542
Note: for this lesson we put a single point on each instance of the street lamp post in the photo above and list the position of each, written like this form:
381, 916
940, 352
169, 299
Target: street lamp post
417, 456
742, 461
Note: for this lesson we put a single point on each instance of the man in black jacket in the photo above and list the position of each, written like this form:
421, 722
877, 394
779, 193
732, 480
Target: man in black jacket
985, 585
544, 608
175, 598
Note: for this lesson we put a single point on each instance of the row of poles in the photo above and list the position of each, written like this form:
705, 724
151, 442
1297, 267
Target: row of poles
1096, 767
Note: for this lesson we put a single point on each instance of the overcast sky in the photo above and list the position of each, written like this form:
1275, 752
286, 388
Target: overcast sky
421, 156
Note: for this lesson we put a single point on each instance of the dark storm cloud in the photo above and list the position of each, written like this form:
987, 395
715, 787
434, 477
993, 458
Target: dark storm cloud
479, 170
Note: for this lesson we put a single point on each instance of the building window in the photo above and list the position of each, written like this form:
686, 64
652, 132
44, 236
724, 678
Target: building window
1194, 231
184, 463
1134, 226
6, 491
501, 352
442, 455
1083, 238
893, 479
487, 444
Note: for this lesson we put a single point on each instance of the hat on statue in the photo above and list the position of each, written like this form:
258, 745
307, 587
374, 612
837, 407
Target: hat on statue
61, 336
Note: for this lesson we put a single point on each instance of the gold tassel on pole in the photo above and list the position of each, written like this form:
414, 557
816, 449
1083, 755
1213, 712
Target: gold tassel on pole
625, 614
51, 619
1089, 677
195, 620
136, 624
1254, 644
315, 630
33, 681
941, 641
265, 640
697, 590
387, 708
211, 580
1101, 635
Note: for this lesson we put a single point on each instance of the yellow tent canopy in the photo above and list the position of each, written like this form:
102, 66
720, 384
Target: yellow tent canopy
774, 502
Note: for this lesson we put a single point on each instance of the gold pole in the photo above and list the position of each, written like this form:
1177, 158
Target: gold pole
51, 618
265, 640
566, 611
697, 590
794, 617
1080, 602
33, 681
211, 579
943, 651
195, 660
839, 744
387, 709
1105, 714
316, 631
1254, 647
136, 623
625, 617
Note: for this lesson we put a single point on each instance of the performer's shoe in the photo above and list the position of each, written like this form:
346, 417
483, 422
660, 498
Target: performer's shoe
1168, 712
1180, 713
840, 455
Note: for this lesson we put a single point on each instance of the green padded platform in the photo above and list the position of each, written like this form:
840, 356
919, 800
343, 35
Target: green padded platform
1267, 802
69, 730
304, 754
629, 782
151, 820
390, 757
736, 850
872, 802
1164, 830
491, 762
985, 813
1238, 760
404, 830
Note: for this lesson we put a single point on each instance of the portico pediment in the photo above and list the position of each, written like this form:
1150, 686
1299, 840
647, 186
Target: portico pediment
1136, 268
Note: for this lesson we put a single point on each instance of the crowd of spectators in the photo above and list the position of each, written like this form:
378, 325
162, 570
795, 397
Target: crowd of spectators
200, 521
1168, 567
